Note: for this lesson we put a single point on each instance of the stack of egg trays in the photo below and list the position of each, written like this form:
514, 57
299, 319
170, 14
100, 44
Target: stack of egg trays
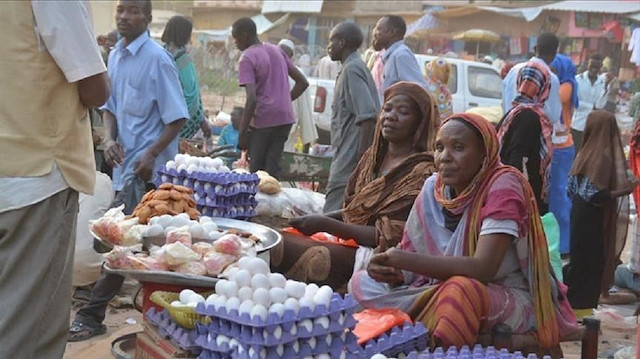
257, 337
208, 354
167, 328
478, 352
400, 339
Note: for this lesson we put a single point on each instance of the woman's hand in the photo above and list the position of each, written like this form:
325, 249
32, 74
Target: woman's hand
381, 270
309, 224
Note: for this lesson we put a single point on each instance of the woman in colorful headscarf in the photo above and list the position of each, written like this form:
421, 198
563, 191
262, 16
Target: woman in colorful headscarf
599, 189
437, 74
176, 36
563, 148
473, 253
379, 194
525, 131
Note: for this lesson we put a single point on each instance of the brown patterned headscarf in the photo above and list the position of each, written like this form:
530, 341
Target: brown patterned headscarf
385, 200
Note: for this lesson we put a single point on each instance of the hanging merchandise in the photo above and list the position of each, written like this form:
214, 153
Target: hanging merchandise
634, 47
515, 46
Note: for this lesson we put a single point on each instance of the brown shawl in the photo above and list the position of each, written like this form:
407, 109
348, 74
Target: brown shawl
386, 201
602, 160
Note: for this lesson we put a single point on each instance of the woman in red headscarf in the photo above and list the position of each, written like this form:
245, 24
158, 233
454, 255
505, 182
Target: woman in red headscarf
473, 253
525, 131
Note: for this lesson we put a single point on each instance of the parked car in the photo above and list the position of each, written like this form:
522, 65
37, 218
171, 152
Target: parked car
472, 84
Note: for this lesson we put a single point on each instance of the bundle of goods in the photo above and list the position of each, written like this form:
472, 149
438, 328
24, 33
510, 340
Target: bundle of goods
188, 247
258, 314
400, 339
169, 329
167, 199
453, 353
219, 192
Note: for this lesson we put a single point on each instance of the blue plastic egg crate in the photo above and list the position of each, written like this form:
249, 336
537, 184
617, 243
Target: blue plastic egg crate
167, 328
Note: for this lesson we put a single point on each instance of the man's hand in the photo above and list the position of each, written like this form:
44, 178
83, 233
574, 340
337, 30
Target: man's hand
243, 141
113, 153
206, 129
309, 224
144, 166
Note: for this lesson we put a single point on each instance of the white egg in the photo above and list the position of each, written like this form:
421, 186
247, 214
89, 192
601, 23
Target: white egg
231, 290
245, 293
232, 304
329, 340
306, 302
323, 296
277, 295
183, 216
221, 286
180, 158
292, 304
155, 230
211, 299
327, 356
312, 342
257, 266
196, 299
165, 220
277, 280
210, 226
322, 321
217, 162
295, 346
244, 262
170, 165
233, 343
220, 302
197, 231
243, 278
169, 229
294, 289
230, 273
224, 169
277, 308
379, 356
177, 304
311, 290
186, 294
246, 307
215, 235
259, 281
181, 167
306, 324
154, 220
280, 348
205, 219
179, 221
222, 339
192, 304
259, 312
293, 330
261, 297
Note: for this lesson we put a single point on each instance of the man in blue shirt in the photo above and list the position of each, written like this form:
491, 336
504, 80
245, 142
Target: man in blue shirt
400, 63
142, 120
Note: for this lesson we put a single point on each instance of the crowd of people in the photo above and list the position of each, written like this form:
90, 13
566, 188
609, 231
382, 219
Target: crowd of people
443, 209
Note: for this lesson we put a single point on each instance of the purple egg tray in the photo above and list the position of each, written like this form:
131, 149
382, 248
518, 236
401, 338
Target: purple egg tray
208, 354
478, 352
216, 201
220, 184
167, 328
281, 334
338, 306
400, 339
237, 212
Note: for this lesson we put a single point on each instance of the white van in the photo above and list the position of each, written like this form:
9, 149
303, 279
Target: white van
472, 84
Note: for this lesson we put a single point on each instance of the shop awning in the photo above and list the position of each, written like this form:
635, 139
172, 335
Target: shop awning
262, 25
606, 7
308, 6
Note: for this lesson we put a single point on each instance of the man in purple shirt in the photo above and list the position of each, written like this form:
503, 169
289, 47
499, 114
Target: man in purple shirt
268, 114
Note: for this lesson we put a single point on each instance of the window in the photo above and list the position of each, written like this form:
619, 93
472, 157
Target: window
453, 81
484, 82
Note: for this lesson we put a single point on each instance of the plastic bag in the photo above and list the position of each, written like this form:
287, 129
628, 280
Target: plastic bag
130, 195
181, 235
374, 322
176, 253
552, 232
324, 237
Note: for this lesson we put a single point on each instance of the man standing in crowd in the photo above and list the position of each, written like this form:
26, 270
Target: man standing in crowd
327, 68
142, 119
48, 79
354, 110
264, 71
546, 49
400, 63
592, 94
305, 128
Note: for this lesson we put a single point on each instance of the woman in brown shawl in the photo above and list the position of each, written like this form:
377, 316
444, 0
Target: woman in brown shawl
378, 198
599, 188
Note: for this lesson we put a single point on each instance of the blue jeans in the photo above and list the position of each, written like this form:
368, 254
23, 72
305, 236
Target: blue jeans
624, 278
559, 202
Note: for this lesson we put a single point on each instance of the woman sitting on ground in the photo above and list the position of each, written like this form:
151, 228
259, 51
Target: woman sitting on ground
379, 194
473, 253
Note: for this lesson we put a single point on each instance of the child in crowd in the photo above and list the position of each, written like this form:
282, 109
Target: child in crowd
229, 134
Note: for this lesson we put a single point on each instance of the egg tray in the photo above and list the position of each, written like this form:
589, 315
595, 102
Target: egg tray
279, 334
478, 352
226, 201
305, 347
337, 306
231, 189
226, 212
167, 328
208, 354
400, 339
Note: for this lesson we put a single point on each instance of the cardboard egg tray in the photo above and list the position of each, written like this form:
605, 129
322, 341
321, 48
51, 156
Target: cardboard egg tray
478, 352
400, 339
167, 328
338, 306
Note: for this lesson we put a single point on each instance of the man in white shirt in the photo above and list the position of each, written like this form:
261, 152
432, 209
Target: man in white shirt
546, 49
592, 94
51, 71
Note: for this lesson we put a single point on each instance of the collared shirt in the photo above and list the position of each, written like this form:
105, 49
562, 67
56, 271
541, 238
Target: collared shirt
591, 96
146, 95
553, 105
66, 32
355, 100
400, 64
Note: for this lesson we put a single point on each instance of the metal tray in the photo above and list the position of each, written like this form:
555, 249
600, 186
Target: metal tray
164, 277
269, 237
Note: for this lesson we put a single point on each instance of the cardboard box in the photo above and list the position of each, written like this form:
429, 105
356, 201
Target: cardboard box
151, 345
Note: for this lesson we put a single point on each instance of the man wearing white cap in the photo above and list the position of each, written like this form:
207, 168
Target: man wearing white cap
301, 109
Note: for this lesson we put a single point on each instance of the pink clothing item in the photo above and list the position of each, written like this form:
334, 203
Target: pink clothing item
267, 66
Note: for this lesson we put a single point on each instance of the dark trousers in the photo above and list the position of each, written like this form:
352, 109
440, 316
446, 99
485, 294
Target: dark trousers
265, 148
105, 289
577, 139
